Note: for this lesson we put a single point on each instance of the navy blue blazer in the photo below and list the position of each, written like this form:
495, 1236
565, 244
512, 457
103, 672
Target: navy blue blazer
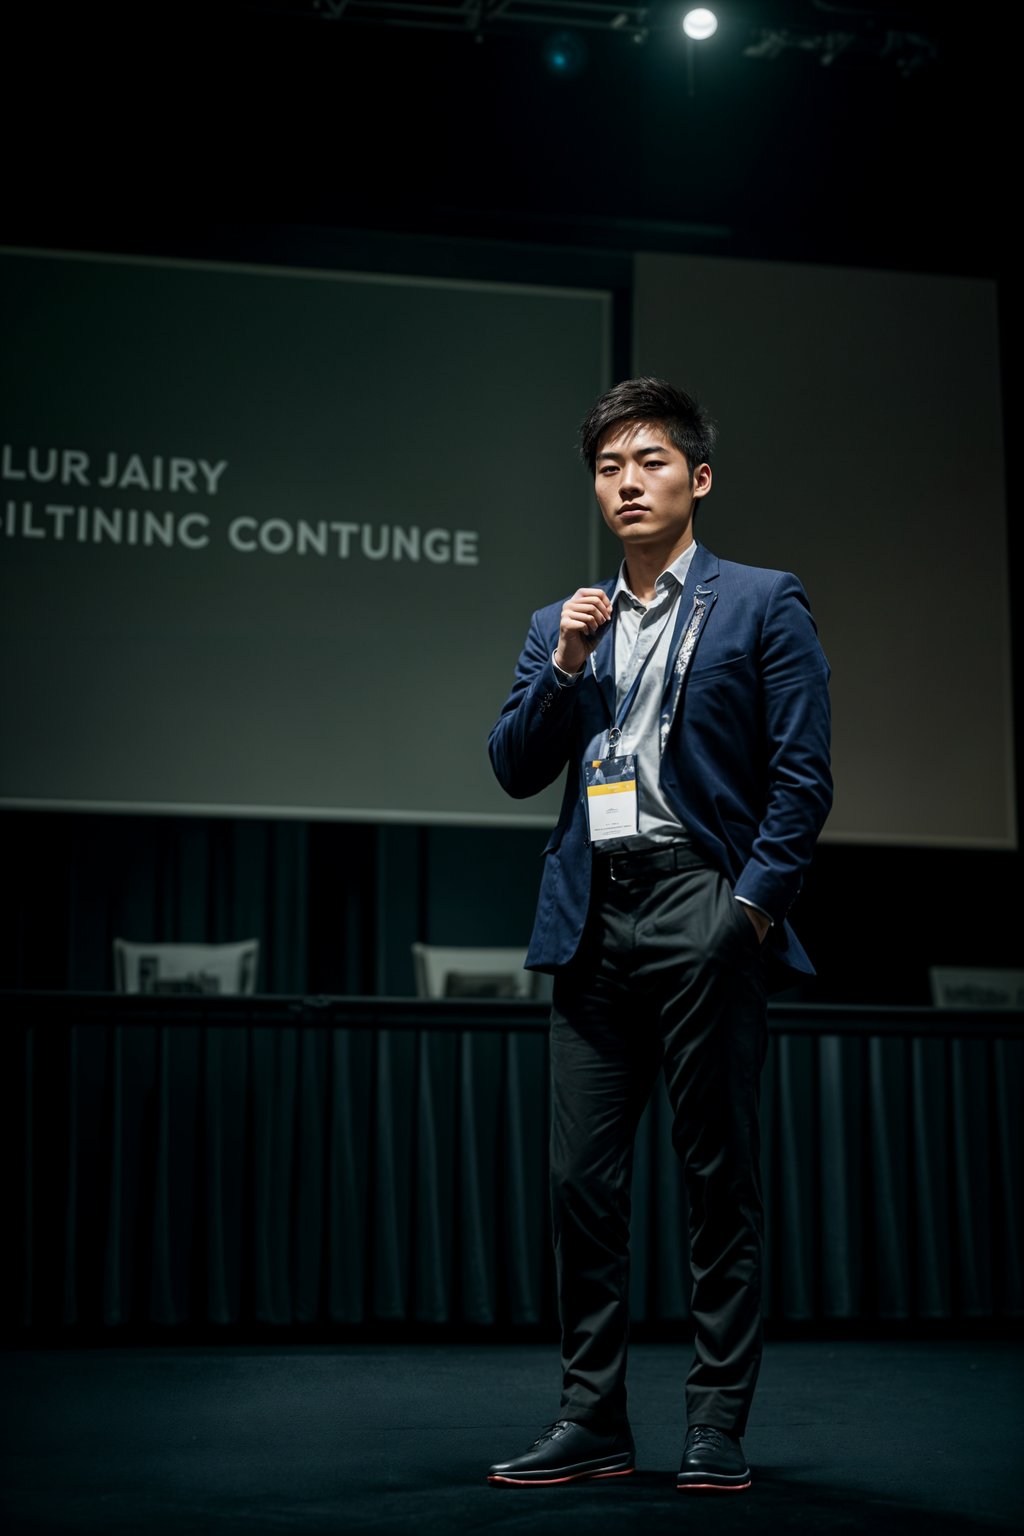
745, 763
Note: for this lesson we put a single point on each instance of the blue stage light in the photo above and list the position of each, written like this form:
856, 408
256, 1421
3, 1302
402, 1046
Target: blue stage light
565, 54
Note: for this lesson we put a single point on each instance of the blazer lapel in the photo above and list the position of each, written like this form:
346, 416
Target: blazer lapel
703, 568
696, 600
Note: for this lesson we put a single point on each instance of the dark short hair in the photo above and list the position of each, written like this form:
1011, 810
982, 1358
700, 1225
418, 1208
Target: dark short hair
686, 423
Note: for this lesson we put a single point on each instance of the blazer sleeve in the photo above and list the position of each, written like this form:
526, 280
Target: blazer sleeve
530, 743
794, 678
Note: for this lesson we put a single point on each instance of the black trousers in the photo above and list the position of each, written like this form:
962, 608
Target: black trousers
668, 976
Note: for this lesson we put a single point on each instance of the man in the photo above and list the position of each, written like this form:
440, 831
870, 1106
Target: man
662, 913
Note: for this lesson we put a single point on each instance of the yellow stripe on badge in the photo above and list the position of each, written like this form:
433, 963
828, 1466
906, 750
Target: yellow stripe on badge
628, 786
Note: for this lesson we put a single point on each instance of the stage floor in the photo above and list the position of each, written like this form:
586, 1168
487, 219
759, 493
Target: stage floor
850, 1436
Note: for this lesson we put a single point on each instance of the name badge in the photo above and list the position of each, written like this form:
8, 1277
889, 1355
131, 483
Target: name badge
611, 796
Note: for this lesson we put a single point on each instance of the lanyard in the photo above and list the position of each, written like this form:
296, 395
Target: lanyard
684, 637
622, 713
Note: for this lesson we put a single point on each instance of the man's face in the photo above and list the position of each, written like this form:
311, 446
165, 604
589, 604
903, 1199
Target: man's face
643, 486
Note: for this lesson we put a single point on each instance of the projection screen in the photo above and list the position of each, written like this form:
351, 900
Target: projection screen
271, 539
862, 447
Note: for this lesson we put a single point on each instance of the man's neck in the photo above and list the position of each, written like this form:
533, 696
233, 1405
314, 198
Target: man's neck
645, 563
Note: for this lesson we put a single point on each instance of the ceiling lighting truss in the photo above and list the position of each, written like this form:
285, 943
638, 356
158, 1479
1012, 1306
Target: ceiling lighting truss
906, 51
853, 33
480, 17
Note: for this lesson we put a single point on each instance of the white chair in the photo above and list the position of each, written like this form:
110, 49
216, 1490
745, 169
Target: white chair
971, 987
221, 969
477, 972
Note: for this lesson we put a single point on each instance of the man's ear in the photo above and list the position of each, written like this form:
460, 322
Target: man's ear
702, 480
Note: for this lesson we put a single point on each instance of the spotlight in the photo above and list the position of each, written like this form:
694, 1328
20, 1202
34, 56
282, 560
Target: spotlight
565, 54
700, 24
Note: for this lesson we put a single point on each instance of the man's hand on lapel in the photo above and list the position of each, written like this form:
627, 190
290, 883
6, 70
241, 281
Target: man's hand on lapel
580, 627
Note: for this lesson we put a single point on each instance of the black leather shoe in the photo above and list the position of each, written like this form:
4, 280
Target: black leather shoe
712, 1458
567, 1451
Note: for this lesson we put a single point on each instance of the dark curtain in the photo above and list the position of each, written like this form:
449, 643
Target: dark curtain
336, 906
188, 1172
74, 883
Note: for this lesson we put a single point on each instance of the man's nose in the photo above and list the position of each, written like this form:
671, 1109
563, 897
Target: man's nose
629, 485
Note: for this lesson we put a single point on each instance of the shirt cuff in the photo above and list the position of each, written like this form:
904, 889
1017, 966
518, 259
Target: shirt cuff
756, 908
563, 678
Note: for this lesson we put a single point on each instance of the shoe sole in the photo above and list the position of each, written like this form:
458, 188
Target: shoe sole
569, 1477
713, 1487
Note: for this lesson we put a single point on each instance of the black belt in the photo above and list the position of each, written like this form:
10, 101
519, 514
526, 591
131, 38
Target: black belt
647, 863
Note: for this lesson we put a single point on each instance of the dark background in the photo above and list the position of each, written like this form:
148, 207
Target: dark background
152, 119
269, 133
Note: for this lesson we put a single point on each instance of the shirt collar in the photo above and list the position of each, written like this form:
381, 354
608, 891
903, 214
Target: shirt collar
676, 573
